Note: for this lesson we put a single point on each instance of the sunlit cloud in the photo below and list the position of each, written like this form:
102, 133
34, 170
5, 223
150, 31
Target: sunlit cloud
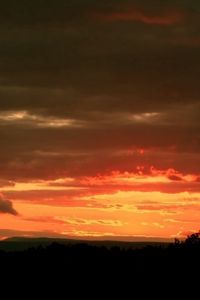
41, 186
141, 176
74, 221
15, 116
87, 234
145, 117
27, 118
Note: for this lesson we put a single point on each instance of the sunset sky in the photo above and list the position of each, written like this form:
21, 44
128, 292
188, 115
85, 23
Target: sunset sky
100, 118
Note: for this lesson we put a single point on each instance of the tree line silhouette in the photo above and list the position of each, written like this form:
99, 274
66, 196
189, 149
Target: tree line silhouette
81, 266
183, 254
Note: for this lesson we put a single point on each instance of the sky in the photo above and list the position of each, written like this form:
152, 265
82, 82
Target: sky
99, 118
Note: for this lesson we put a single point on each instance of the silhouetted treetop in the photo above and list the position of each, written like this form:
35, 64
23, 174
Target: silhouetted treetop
193, 239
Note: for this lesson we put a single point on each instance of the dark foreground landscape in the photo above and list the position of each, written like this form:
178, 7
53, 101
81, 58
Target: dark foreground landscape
102, 263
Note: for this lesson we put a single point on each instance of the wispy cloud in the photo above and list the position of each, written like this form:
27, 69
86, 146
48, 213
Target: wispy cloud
166, 18
76, 221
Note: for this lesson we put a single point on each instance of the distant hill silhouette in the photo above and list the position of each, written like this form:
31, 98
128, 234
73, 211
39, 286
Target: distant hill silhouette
23, 243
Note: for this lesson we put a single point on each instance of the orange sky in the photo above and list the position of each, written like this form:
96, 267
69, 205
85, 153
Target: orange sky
149, 204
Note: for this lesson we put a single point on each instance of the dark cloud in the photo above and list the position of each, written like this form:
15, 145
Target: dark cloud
50, 153
175, 178
124, 85
6, 207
